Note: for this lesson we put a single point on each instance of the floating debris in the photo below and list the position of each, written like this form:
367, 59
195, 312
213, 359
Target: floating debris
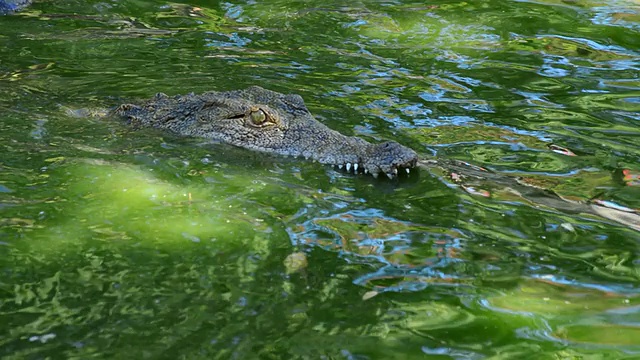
630, 178
473, 191
568, 227
369, 294
295, 262
561, 150
612, 205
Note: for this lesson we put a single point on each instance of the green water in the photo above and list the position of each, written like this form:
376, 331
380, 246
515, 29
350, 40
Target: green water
132, 244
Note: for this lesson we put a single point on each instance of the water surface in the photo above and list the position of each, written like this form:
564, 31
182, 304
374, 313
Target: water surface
122, 243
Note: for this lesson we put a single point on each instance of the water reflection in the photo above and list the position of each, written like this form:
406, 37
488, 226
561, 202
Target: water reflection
121, 243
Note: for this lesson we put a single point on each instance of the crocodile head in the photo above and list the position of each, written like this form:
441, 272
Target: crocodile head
270, 122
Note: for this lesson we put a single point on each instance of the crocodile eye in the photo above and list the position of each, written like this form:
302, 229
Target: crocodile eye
258, 117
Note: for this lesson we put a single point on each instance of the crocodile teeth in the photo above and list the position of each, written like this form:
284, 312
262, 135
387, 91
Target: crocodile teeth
366, 171
375, 175
395, 171
389, 176
355, 167
348, 166
407, 170
340, 167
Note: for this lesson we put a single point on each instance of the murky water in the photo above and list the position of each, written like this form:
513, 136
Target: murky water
122, 243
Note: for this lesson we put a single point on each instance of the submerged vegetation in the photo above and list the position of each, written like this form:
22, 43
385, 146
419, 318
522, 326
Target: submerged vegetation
131, 243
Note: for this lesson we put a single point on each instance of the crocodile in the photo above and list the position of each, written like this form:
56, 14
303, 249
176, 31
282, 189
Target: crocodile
267, 121
270, 122
11, 6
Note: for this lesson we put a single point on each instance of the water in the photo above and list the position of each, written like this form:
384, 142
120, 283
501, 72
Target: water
122, 243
